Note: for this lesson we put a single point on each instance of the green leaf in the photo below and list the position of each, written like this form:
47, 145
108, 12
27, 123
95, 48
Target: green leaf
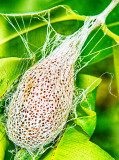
33, 28
89, 101
10, 69
3, 141
24, 155
94, 52
105, 45
47, 155
116, 64
27, 6
87, 82
75, 145
86, 113
88, 122
107, 130
58, 14
85, 110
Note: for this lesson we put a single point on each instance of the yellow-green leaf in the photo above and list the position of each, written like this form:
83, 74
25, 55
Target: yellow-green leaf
10, 69
116, 64
75, 145
3, 141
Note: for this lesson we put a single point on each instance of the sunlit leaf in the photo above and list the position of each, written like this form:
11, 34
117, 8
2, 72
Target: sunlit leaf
23, 35
75, 145
10, 69
87, 82
86, 109
3, 141
116, 65
88, 122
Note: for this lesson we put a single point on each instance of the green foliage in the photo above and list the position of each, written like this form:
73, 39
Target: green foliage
86, 115
75, 145
23, 154
116, 64
11, 44
16, 59
88, 83
107, 130
10, 69
3, 141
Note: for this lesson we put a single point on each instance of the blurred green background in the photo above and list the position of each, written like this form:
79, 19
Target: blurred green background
106, 134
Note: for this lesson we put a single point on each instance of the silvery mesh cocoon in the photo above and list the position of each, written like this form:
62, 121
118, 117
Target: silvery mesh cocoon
42, 102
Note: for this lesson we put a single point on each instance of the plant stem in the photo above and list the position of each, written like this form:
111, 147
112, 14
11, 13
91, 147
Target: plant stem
116, 65
113, 24
109, 33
